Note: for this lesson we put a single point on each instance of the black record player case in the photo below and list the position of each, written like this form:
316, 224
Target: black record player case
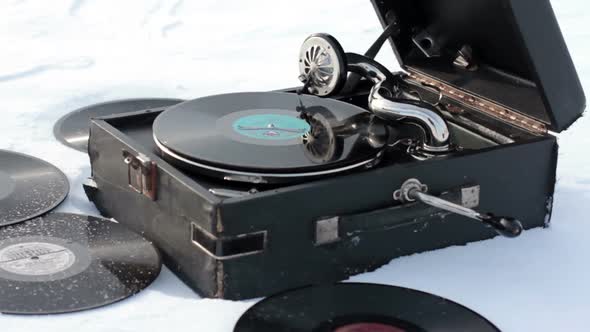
522, 87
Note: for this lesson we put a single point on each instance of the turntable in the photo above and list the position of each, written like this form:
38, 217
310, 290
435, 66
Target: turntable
248, 194
269, 137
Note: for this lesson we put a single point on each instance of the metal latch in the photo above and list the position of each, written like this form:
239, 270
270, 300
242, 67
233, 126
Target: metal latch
142, 174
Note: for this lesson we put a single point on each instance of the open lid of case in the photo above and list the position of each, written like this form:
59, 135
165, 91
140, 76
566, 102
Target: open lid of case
519, 58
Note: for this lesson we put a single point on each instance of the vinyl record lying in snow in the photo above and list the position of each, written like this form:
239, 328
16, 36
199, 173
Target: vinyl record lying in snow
29, 187
350, 307
61, 263
72, 129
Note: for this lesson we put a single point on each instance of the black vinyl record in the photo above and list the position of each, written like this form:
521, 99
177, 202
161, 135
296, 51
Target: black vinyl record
269, 135
72, 129
61, 263
356, 307
29, 187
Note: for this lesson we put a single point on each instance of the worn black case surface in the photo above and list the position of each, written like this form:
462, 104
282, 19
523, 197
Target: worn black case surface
321, 231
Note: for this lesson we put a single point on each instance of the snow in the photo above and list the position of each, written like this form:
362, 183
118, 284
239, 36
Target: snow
63, 54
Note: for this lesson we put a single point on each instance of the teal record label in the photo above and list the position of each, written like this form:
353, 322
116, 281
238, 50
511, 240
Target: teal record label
271, 126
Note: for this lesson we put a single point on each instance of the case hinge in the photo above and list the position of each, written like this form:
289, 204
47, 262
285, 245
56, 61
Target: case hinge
483, 105
141, 174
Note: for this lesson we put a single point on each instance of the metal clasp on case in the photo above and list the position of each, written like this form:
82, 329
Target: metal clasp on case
141, 174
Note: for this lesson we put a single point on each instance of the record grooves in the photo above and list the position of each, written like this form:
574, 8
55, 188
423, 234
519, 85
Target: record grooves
356, 307
73, 128
62, 262
273, 137
29, 187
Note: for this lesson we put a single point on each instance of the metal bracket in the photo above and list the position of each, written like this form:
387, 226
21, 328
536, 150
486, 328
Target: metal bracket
224, 248
464, 59
470, 196
428, 44
228, 193
90, 183
142, 174
327, 231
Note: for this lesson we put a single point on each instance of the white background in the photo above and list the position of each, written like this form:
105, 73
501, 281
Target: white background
59, 55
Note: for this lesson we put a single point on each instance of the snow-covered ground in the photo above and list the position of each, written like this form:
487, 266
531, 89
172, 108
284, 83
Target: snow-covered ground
59, 55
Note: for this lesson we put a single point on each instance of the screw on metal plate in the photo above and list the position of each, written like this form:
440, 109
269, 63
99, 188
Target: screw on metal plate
470, 196
141, 174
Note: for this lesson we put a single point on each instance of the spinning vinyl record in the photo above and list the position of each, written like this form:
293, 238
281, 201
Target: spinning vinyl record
61, 263
352, 307
268, 137
29, 187
72, 129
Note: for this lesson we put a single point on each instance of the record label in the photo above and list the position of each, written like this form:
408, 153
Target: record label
7, 185
271, 126
264, 127
269, 137
62, 262
36, 258
41, 258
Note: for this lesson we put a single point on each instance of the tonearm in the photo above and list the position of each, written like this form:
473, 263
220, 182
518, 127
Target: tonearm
324, 68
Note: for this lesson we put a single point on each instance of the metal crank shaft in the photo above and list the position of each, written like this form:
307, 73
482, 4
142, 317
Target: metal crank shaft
413, 190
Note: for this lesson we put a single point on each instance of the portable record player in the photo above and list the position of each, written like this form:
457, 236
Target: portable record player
248, 194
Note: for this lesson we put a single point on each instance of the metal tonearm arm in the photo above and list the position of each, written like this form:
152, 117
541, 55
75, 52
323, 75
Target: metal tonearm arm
428, 118
386, 101
324, 67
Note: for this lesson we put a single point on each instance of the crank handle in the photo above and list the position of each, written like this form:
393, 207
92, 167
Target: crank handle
412, 190
506, 226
